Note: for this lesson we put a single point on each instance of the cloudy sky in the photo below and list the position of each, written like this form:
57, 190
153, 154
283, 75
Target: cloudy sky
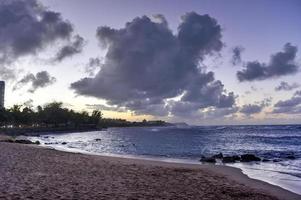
201, 62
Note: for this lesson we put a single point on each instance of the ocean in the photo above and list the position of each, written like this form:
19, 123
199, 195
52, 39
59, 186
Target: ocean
186, 144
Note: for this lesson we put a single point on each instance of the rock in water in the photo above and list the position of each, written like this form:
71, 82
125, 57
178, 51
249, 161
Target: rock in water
208, 159
24, 141
218, 156
230, 159
249, 158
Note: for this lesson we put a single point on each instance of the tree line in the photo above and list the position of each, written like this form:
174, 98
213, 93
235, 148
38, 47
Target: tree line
51, 115
54, 115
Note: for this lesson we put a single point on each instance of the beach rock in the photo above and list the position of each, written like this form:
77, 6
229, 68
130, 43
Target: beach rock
208, 159
230, 159
23, 141
249, 158
236, 158
48, 143
218, 156
8, 140
97, 139
37, 142
64, 143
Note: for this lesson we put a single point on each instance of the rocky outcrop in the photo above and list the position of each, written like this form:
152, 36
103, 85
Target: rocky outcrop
230, 159
218, 156
249, 158
208, 159
20, 141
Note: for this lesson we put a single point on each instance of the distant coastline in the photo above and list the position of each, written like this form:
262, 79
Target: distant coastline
36, 131
54, 118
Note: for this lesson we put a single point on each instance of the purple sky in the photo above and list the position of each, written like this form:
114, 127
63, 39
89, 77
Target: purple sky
261, 28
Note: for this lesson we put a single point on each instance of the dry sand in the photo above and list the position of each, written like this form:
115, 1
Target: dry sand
33, 172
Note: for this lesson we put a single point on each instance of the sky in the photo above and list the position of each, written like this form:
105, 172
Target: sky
201, 62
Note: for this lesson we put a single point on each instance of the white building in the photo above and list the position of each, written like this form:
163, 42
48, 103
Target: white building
2, 92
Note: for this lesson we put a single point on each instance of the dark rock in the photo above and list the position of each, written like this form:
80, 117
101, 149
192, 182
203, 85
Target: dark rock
63, 143
277, 160
218, 156
8, 140
24, 141
208, 159
37, 142
97, 139
47, 143
249, 158
230, 159
265, 160
236, 158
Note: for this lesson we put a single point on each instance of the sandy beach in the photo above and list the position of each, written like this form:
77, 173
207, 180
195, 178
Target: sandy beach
34, 172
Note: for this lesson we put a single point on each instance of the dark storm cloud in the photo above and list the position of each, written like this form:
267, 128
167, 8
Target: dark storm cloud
281, 64
71, 49
185, 109
190, 110
40, 80
251, 109
27, 28
294, 101
286, 86
93, 66
146, 64
287, 110
199, 34
236, 55
290, 106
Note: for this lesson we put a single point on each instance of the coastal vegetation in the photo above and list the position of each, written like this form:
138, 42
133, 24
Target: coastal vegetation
54, 117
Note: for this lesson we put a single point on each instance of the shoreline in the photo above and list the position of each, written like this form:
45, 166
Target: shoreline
220, 177
231, 172
245, 168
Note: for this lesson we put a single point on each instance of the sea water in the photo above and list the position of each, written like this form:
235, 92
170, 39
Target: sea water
188, 143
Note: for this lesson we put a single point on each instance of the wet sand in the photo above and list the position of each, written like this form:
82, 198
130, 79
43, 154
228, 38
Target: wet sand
33, 172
